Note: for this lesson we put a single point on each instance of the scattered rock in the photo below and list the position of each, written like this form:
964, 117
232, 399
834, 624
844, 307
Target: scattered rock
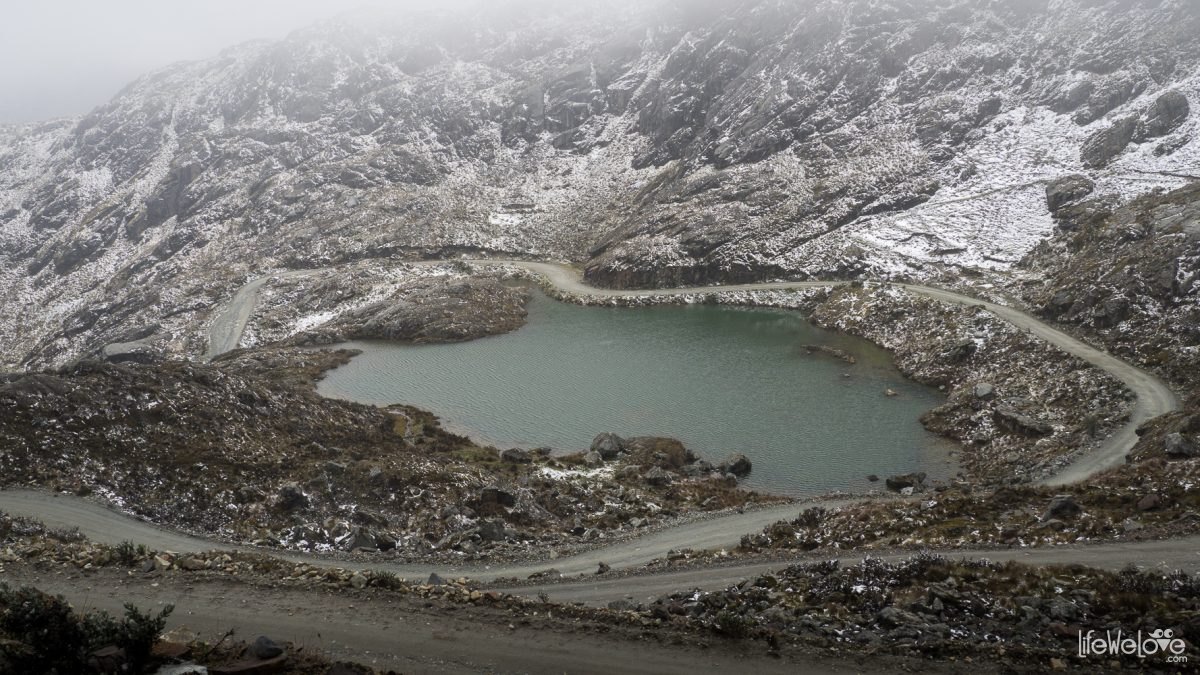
657, 476
496, 496
1149, 503
291, 497
1061, 507
191, 564
1019, 423
984, 391
604, 568
873, 478
893, 617
515, 456
1177, 445
913, 481
736, 464
264, 647
492, 530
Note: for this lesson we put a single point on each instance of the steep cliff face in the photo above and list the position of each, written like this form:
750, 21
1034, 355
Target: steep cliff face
654, 142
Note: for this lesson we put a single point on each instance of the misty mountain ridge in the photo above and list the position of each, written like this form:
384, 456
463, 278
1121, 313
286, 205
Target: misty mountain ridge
656, 144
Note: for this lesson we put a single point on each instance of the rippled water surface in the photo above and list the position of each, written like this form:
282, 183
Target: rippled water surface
720, 379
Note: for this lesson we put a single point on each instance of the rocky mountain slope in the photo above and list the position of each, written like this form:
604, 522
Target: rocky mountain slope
655, 142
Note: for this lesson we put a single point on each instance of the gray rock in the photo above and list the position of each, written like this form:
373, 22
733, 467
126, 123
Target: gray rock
495, 495
593, 458
657, 476
264, 647
1062, 507
360, 538
1150, 502
608, 445
1101, 147
913, 481
1016, 422
984, 391
894, 617
291, 497
1067, 190
515, 456
492, 530
1177, 445
736, 464
358, 581
435, 580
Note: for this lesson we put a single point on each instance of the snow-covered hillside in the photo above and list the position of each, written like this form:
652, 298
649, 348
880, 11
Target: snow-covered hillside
654, 143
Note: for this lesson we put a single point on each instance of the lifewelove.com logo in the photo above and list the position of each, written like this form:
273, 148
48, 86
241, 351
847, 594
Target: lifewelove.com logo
1161, 643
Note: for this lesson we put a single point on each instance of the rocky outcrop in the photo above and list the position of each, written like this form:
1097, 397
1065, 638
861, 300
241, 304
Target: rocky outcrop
1165, 115
1103, 146
608, 446
907, 481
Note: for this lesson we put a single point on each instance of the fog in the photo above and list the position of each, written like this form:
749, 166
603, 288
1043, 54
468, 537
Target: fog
64, 57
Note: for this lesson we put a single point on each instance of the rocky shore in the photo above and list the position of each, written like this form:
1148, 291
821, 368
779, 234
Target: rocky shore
244, 450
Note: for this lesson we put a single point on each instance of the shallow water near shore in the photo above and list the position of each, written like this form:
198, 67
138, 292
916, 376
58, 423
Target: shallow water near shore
721, 379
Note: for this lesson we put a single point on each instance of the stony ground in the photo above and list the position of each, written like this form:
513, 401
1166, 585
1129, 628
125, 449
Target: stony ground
926, 609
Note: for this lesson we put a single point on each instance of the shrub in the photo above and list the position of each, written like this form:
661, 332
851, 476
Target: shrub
45, 635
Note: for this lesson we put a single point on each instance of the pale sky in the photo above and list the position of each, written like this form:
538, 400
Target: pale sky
65, 57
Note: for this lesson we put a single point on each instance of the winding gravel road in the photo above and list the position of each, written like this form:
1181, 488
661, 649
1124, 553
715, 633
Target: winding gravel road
1153, 398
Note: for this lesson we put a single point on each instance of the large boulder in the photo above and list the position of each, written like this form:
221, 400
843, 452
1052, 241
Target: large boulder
1067, 190
1101, 147
608, 445
1177, 445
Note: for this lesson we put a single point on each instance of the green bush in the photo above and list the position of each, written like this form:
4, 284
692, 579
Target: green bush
41, 633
